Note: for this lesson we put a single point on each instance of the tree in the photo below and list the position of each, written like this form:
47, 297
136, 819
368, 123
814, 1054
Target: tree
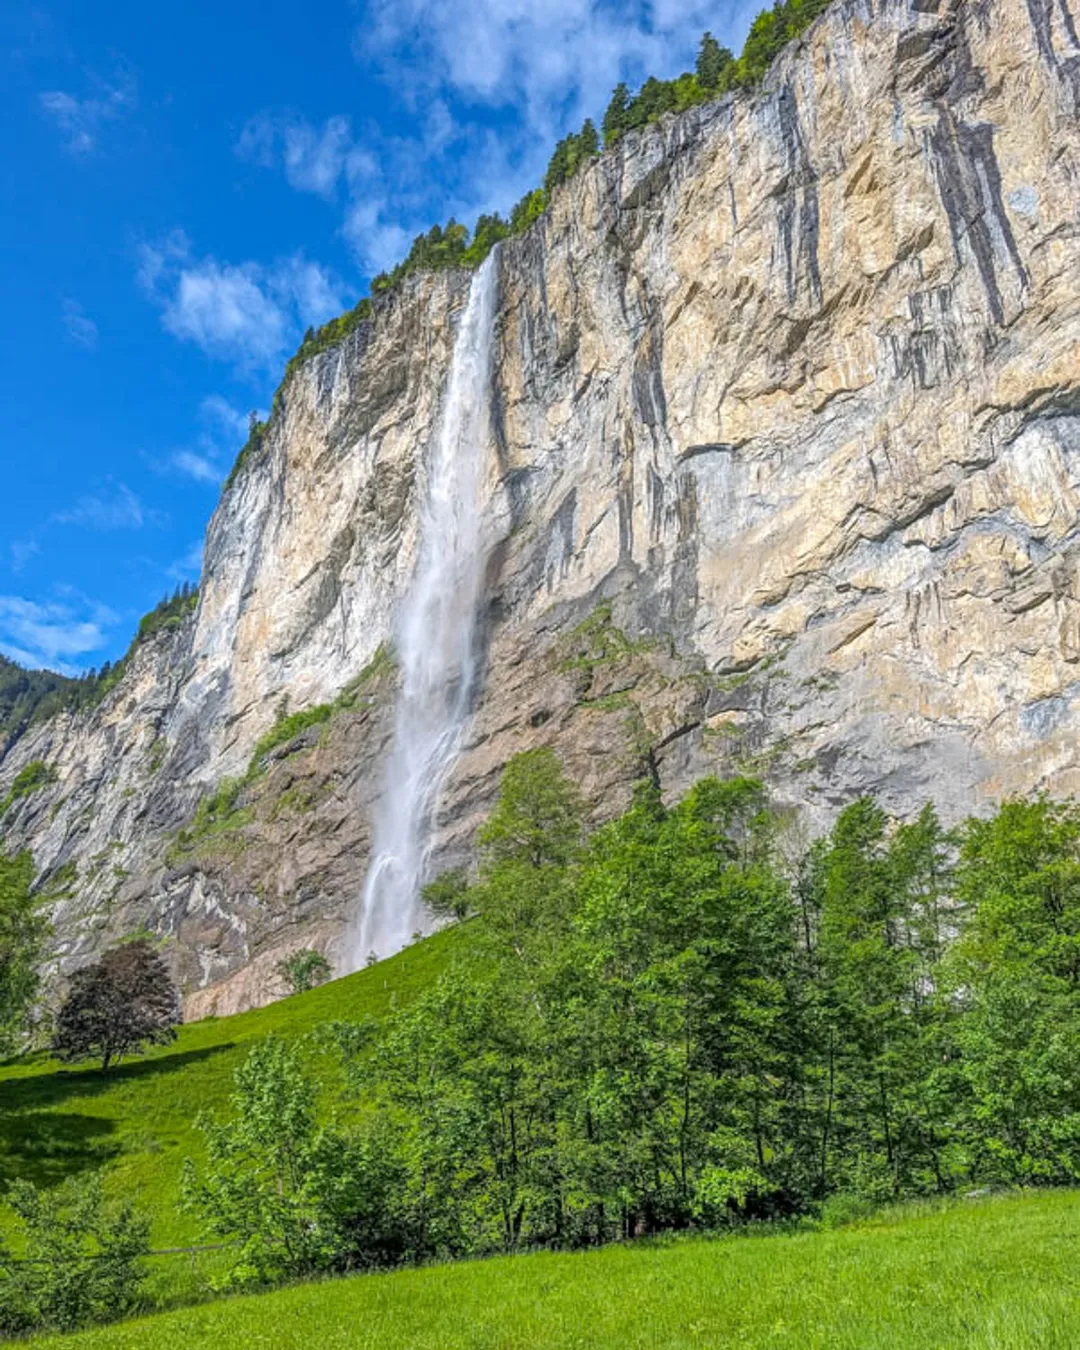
447, 896
23, 931
303, 970
298, 1196
616, 118
712, 61
529, 209
117, 1006
1015, 973
79, 1262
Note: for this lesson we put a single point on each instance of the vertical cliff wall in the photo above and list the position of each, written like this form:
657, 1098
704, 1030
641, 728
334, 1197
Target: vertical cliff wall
784, 478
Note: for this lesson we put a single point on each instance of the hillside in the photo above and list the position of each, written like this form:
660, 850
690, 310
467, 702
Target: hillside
138, 1122
781, 477
991, 1274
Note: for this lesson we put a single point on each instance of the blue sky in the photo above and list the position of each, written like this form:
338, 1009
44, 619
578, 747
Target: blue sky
185, 188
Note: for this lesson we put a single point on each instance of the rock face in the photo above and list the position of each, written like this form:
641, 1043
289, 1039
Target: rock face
785, 478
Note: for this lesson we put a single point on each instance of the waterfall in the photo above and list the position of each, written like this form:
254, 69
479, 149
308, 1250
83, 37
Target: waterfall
436, 637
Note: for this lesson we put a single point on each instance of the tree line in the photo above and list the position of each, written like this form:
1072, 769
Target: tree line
674, 1022
716, 72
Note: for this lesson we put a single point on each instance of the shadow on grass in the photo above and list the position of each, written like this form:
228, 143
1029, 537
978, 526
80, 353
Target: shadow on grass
46, 1146
44, 1091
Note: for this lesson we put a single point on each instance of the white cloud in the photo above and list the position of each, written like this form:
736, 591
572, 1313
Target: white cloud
200, 467
80, 329
246, 313
225, 310
22, 550
54, 633
80, 119
121, 511
222, 430
219, 414
314, 159
188, 567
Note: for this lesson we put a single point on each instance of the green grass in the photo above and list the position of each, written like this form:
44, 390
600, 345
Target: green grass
992, 1274
137, 1121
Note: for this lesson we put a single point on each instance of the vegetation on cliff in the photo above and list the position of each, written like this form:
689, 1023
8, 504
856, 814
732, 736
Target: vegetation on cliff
716, 73
28, 697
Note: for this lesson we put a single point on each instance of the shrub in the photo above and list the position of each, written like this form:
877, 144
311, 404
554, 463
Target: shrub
81, 1258
303, 970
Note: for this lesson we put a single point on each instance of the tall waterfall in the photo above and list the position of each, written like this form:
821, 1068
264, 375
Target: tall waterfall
436, 635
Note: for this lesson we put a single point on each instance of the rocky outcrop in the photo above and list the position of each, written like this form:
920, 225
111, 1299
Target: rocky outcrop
785, 478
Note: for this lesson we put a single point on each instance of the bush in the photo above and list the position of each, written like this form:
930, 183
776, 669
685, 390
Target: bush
297, 1196
80, 1263
303, 970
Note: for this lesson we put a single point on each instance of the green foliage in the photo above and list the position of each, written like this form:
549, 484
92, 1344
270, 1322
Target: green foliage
447, 896
1015, 973
169, 613
23, 932
303, 970
117, 1006
712, 62
31, 778
28, 697
289, 726
298, 1196
79, 1259
658, 1026
527, 211
571, 154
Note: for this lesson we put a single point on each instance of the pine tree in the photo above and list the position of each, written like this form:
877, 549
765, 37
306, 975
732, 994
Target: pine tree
712, 61
616, 117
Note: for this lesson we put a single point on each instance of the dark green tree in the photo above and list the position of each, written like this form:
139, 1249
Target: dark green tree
712, 62
117, 1006
616, 117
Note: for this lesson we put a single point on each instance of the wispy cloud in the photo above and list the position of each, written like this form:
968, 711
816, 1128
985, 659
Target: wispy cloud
222, 431
314, 159
80, 329
80, 120
22, 550
120, 510
245, 312
189, 566
488, 103
53, 633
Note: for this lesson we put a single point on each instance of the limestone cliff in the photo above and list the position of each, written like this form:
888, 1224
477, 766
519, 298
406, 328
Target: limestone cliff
785, 477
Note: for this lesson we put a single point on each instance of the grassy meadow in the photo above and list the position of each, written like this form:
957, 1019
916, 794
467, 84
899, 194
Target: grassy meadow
136, 1122
996, 1273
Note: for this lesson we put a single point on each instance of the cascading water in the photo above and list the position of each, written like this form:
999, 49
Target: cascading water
436, 636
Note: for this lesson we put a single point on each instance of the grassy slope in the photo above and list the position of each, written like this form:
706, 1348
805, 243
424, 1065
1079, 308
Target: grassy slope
996, 1274
136, 1121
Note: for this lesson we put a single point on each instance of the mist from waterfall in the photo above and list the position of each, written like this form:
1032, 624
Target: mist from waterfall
436, 640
